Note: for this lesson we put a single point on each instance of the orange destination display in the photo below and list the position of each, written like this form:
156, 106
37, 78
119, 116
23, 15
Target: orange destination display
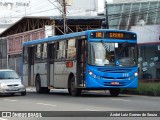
113, 35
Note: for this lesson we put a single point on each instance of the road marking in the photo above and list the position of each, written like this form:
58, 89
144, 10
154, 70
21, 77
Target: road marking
3, 119
120, 99
11, 100
91, 110
46, 104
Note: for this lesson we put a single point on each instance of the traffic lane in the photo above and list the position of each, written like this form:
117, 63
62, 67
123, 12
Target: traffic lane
122, 102
48, 102
63, 96
89, 101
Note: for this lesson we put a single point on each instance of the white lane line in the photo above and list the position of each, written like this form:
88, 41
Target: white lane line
126, 100
3, 119
91, 109
120, 99
46, 104
11, 100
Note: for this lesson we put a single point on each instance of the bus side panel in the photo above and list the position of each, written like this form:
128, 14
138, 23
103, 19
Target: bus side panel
51, 75
25, 74
32, 82
41, 69
72, 69
60, 75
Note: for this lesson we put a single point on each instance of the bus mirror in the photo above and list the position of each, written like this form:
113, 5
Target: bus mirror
116, 45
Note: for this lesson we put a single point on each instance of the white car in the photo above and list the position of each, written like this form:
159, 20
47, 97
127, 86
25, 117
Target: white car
11, 83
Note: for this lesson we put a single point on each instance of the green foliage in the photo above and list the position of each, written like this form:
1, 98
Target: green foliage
148, 88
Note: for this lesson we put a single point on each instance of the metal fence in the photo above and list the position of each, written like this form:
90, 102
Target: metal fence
12, 63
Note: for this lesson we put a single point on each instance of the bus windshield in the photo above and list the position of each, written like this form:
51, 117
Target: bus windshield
112, 54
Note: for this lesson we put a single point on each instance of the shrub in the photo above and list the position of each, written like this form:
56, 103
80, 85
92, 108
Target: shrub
148, 88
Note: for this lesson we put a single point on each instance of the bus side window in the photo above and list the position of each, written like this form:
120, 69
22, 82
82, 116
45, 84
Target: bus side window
71, 51
57, 48
25, 55
38, 53
52, 51
61, 50
44, 51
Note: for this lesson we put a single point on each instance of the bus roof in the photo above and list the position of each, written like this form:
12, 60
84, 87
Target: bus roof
68, 36
54, 38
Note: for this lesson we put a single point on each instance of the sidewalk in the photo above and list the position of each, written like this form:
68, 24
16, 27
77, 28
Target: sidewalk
30, 89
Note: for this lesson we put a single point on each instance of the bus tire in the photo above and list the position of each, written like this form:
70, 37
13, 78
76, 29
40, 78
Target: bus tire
114, 92
45, 90
73, 90
40, 89
69, 91
38, 85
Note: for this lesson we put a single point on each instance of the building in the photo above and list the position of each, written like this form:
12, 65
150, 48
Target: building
124, 14
149, 51
142, 17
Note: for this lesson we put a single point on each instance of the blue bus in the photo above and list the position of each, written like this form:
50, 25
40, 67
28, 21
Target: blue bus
100, 59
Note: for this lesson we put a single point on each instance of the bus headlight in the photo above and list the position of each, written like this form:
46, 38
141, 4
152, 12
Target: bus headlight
136, 74
90, 73
93, 75
133, 76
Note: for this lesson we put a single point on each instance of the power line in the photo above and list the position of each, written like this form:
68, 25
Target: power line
55, 5
35, 9
145, 9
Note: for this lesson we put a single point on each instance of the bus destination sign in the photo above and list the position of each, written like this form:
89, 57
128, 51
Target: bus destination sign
116, 35
98, 34
113, 35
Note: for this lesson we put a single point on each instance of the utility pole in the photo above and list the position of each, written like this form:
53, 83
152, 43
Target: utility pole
107, 24
64, 17
64, 4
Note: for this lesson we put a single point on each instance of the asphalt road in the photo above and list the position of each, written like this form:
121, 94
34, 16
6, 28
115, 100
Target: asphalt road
60, 100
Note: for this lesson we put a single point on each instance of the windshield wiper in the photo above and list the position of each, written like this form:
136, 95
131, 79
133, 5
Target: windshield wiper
105, 45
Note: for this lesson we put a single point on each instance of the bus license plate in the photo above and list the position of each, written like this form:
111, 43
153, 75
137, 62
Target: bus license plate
114, 83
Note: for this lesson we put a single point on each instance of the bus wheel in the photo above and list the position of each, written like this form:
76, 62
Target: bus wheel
40, 89
38, 85
46, 90
69, 90
73, 90
114, 92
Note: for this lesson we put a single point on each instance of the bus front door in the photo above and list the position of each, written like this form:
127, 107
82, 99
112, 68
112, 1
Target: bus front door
31, 66
81, 62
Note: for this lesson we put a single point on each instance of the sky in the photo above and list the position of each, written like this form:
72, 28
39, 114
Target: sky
101, 5
16, 9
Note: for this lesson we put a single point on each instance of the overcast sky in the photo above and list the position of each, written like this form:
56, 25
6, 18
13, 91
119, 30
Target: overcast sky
44, 7
101, 5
